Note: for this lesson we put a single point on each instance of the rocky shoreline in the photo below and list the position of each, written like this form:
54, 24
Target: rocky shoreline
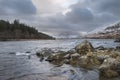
107, 61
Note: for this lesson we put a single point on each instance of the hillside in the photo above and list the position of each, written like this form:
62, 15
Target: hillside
17, 31
110, 32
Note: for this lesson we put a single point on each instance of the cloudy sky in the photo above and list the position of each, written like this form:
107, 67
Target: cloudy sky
58, 18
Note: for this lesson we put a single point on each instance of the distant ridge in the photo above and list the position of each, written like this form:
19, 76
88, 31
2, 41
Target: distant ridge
110, 32
19, 31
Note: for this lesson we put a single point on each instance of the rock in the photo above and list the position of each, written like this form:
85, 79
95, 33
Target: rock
84, 47
74, 59
115, 55
102, 57
67, 61
89, 62
67, 56
84, 61
57, 59
75, 56
27, 52
12, 53
72, 51
100, 48
51, 58
118, 48
110, 68
109, 73
117, 40
44, 52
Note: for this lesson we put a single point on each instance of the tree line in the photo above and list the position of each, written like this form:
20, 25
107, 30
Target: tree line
17, 30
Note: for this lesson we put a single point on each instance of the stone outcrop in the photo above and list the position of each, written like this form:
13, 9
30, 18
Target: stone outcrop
110, 68
85, 56
84, 47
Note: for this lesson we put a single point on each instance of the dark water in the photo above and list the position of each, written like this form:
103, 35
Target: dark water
18, 67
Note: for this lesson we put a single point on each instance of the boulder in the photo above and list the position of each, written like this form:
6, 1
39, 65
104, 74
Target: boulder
74, 59
89, 62
110, 68
75, 56
102, 57
84, 47
44, 52
108, 73
118, 48
56, 58
100, 48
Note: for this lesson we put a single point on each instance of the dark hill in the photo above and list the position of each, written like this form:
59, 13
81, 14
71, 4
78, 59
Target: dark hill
17, 31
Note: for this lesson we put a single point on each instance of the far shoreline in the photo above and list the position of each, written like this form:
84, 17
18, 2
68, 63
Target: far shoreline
5, 40
23, 40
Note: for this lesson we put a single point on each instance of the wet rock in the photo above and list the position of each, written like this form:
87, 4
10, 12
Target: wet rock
110, 68
84, 47
72, 51
117, 40
115, 55
75, 56
12, 53
118, 48
89, 62
74, 59
109, 73
44, 52
100, 48
67, 56
27, 52
57, 59
67, 61
102, 57
107, 61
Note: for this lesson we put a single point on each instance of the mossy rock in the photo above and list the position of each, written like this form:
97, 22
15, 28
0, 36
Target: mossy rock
89, 62
110, 68
84, 47
109, 73
56, 59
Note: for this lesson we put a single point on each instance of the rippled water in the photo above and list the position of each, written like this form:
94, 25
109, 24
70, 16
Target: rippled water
18, 67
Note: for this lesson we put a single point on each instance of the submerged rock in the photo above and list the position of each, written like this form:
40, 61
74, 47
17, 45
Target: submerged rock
84, 47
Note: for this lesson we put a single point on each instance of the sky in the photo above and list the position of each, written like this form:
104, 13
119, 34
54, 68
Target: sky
62, 18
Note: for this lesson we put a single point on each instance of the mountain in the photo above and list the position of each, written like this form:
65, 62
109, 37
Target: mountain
17, 31
110, 32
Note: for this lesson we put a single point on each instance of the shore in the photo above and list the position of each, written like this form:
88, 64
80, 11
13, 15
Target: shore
23, 39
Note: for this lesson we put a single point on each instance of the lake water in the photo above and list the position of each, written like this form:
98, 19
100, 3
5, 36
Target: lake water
18, 67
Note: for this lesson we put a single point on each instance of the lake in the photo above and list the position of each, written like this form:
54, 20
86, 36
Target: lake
15, 65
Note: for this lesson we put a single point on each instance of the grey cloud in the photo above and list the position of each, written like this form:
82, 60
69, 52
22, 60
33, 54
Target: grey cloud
17, 7
110, 6
84, 16
79, 15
